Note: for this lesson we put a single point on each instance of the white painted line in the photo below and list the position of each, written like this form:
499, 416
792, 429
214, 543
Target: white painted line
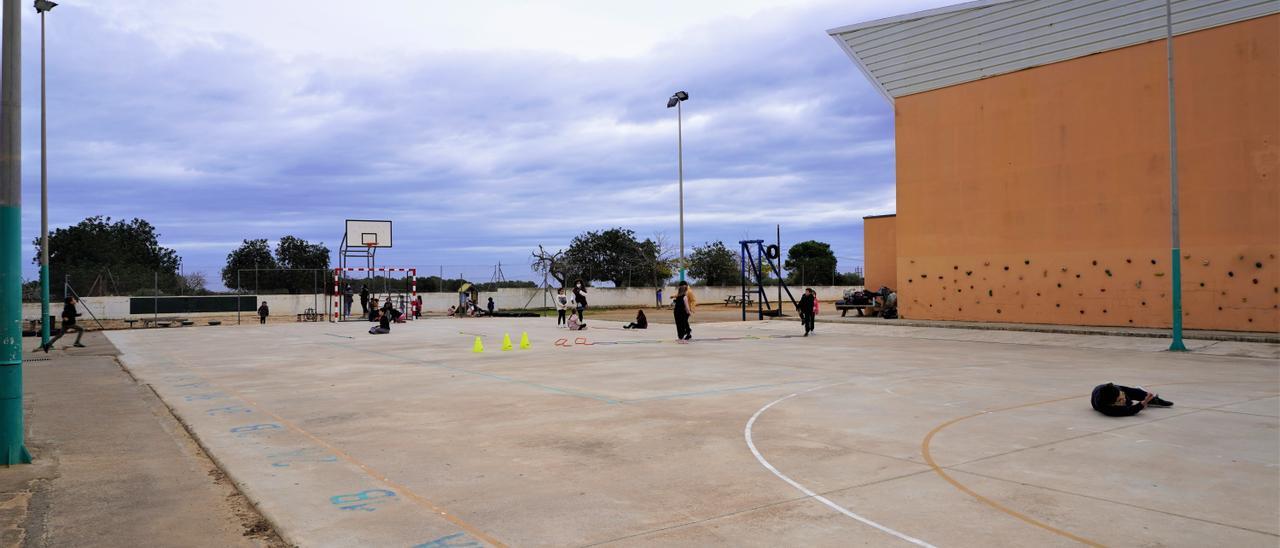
751, 444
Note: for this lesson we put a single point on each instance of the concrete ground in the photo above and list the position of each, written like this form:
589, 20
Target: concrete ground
111, 466
749, 436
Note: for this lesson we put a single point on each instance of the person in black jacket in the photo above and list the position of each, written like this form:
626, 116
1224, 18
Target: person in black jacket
640, 323
263, 312
580, 299
69, 315
384, 319
1114, 400
805, 308
364, 299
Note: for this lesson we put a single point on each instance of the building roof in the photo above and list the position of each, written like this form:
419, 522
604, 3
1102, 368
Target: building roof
956, 44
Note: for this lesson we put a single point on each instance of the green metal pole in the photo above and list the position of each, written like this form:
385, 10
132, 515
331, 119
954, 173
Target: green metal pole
44, 207
1176, 247
12, 448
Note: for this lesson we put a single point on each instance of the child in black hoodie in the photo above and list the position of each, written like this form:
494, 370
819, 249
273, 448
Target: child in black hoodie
1114, 400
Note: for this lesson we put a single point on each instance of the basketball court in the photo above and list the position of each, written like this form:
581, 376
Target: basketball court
748, 436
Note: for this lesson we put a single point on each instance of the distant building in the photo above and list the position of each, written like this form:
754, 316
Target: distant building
1033, 165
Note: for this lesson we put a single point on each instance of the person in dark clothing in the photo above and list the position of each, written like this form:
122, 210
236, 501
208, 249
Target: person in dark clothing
263, 312
490, 306
805, 308
390, 312
640, 323
681, 308
364, 299
347, 298
580, 298
68, 324
372, 311
1114, 400
384, 319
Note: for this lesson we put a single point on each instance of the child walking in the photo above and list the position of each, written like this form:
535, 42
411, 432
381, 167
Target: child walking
263, 312
68, 324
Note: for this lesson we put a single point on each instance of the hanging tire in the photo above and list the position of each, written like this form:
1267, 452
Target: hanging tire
771, 251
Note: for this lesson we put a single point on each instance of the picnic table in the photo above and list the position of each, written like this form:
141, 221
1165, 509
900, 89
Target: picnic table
309, 315
732, 300
161, 322
845, 308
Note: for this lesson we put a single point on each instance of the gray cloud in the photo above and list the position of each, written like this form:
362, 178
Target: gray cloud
475, 155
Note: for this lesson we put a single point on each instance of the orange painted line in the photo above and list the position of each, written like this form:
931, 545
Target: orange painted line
371, 472
928, 458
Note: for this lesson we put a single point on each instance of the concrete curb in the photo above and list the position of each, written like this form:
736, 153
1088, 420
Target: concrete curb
1233, 336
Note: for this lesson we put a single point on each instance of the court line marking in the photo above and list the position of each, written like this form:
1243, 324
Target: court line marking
368, 470
824, 500
928, 456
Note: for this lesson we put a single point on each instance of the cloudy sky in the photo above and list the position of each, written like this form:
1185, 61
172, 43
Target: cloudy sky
482, 129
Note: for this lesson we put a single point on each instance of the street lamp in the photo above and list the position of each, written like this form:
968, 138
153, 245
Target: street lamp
43, 6
1176, 247
674, 101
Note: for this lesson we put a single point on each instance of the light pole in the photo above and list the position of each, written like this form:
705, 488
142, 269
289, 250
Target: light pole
674, 101
43, 6
12, 448
1176, 255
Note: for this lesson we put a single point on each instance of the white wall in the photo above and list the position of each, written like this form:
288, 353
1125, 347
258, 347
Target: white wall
504, 299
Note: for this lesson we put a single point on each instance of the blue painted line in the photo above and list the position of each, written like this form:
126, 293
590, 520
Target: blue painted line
722, 391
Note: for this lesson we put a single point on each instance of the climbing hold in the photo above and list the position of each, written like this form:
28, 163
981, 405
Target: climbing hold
1108, 271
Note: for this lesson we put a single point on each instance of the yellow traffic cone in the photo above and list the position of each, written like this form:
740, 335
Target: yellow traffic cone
478, 347
506, 342
524, 340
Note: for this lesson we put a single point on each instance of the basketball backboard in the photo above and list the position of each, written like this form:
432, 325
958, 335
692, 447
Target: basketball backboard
366, 233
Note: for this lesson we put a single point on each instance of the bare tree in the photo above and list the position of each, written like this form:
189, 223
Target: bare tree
547, 263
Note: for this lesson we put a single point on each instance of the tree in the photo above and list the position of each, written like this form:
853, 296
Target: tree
715, 264
193, 284
810, 261
250, 254
550, 264
613, 255
129, 252
849, 278
297, 253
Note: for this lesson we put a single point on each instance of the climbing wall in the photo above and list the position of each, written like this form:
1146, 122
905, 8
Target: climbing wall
1222, 289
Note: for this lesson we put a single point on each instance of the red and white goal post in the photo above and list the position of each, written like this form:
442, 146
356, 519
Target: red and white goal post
410, 273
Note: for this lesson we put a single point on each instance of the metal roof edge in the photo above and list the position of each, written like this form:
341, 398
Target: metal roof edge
879, 216
857, 61
917, 15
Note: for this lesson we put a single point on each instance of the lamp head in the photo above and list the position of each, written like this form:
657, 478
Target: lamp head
676, 98
44, 5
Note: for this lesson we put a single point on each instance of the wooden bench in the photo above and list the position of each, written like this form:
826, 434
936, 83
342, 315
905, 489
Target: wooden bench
309, 315
845, 308
131, 322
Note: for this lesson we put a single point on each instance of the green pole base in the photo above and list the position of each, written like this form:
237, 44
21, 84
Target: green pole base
44, 305
17, 456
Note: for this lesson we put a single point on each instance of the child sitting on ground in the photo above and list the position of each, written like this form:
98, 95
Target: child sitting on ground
574, 324
640, 323
384, 322
1114, 400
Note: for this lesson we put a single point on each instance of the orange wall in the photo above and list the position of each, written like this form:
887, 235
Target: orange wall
1043, 195
879, 248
